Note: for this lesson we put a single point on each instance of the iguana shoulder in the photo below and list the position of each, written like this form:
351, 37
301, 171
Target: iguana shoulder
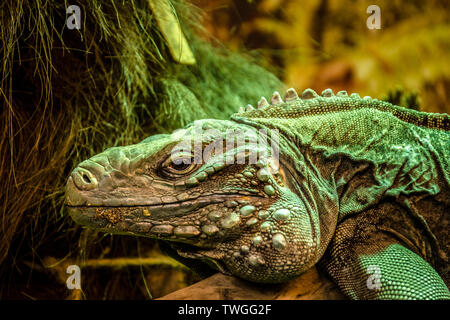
392, 164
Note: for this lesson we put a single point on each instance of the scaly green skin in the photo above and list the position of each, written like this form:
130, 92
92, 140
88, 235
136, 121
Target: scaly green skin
359, 187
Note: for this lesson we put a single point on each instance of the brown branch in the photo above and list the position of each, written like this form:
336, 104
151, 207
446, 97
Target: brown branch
309, 286
126, 262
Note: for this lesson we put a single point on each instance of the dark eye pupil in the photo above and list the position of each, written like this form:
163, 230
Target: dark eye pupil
180, 165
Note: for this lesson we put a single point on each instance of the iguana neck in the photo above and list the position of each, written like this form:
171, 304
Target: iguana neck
359, 156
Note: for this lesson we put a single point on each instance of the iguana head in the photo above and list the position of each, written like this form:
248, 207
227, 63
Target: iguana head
216, 187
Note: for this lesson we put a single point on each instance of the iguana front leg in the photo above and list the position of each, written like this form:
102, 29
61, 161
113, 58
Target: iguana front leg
368, 260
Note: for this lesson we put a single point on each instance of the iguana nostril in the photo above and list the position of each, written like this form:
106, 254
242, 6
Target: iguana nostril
84, 179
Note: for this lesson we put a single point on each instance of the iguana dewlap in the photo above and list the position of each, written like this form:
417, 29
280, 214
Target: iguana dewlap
356, 185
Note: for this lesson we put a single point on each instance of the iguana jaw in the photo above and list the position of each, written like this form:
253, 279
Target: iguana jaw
178, 221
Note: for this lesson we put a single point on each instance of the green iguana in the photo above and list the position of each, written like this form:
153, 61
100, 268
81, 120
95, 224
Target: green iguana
358, 186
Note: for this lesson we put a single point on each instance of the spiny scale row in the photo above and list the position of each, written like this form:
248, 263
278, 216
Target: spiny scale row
292, 95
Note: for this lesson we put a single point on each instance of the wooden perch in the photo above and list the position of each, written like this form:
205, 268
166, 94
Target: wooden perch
309, 286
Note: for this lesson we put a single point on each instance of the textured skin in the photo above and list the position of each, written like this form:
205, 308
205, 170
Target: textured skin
358, 186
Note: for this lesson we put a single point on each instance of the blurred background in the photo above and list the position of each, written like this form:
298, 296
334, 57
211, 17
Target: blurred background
67, 95
323, 44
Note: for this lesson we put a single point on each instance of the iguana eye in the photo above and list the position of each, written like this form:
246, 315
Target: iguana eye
178, 165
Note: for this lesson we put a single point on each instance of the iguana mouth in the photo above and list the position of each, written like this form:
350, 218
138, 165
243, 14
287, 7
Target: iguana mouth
194, 202
100, 215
